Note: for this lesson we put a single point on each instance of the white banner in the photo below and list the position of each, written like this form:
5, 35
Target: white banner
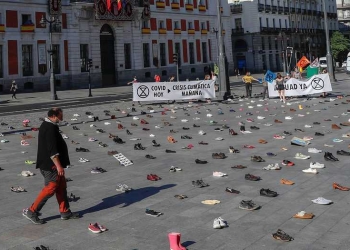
294, 87
168, 91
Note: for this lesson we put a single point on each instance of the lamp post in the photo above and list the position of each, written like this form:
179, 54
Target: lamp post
222, 69
329, 55
43, 22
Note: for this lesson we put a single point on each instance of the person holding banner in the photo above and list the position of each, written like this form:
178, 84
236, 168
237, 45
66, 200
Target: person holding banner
248, 79
280, 87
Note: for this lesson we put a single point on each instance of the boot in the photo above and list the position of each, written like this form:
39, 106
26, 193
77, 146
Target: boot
174, 241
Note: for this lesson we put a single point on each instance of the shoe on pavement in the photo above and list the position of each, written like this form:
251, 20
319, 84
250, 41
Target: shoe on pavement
301, 156
268, 193
322, 201
314, 150
316, 165
340, 187
310, 171
286, 182
303, 215
231, 190
94, 228
32, 216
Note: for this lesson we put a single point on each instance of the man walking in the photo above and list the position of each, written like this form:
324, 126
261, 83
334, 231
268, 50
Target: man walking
52, 159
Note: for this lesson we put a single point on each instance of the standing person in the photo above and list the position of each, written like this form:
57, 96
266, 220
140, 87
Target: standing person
265, 87
132, 82
280, 87
248, 79
13, 89
156, 78
324, 94
52, 159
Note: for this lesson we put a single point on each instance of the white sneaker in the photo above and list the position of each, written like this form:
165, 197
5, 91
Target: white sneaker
92, 139
152, 135
158, 126
135, 139
322, 201
201, 132
184, 120
209, 115
269, 167
261, 117
216, 224
222, 222
288, 118
90, 116
250, 107
301, 156
276, 167
219, 174
316, 165
107, 123
196, 118
219, 139
76, 115
268, 124
173, 117
314, 150
310, 171
135, 118
308, 126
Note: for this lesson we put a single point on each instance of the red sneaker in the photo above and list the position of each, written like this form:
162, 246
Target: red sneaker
143, 121
120, 126
94, 228
150, 177
287, 163
248, 146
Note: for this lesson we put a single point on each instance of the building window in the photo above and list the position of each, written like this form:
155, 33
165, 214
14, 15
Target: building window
204, 52
161, 25
276, 44
127, 55
1, 64
203, 26
178, 52
267, 22
191, 48
146, 59
262, 43
1, 19
280, 22
84, 57
176, 25
175, 1
56, 59
189, 1
260, 22
273, 23
145, 24
201, 2
27, 60
26, 19
190, 25
285, 24
238, 23
162, 49
269, 42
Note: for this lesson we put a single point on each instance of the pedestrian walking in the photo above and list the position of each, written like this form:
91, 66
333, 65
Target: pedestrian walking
248, 79
52, 159
13, 89
265, 86
280, 87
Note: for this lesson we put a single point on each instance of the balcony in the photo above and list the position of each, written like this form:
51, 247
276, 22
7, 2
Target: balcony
238, 31
175, 6
280, 10
146, 30
236, 8
161, 31
28, 28
56, 28
177, 31
160, 5
202, 8
267, 8
2, 28
261, 7
189, 7
204, 31
191, 31
274, 9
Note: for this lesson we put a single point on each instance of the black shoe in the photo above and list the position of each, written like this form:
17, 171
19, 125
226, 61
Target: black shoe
196, 126
153, 213
184, 128
82, 150
128, 132
332, 157
232, 191
329, 157
33, 217
133, 110
118, 140
70, 215
150, 157
268, 193
143, 113
342, 152
200, 161
242, 128
319, 134
254, 127
75, 128
287, 133
155, 144
316, 123
169, 151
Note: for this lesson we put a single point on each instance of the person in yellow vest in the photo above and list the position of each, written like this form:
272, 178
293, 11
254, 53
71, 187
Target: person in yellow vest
248, 79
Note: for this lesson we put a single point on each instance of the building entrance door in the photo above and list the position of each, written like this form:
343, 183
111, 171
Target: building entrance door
107, 56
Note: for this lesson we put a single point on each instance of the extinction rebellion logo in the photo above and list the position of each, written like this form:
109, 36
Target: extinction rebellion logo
143, 91
317, 83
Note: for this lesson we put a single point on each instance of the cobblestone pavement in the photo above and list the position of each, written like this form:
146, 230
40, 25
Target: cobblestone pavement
129, 228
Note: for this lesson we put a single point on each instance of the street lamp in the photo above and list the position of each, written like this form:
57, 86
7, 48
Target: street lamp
329, 55
224, 91
43, 22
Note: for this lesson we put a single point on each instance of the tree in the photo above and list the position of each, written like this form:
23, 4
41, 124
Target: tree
339, 45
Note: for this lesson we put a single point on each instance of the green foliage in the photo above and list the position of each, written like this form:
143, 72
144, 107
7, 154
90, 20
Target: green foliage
339, 44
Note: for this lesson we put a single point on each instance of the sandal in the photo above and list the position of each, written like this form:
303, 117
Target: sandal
171, 139
18, 189
281, 235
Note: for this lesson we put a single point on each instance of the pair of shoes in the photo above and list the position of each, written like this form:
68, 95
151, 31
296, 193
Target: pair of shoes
248, 205
174, 169
256, 158
232, 132
83, 160
251, 177
199, 184
123, 188
153, 177
280, 235
233, 150
139, 146
231, 190
219, 223
96, 228
118, 140
32, 216
338, 186
268, 193
152, 213
329, 157
114, 152
185, 137
200, 161
218, 156
155, 144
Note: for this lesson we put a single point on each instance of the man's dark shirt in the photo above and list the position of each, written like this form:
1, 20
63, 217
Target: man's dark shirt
51, 143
